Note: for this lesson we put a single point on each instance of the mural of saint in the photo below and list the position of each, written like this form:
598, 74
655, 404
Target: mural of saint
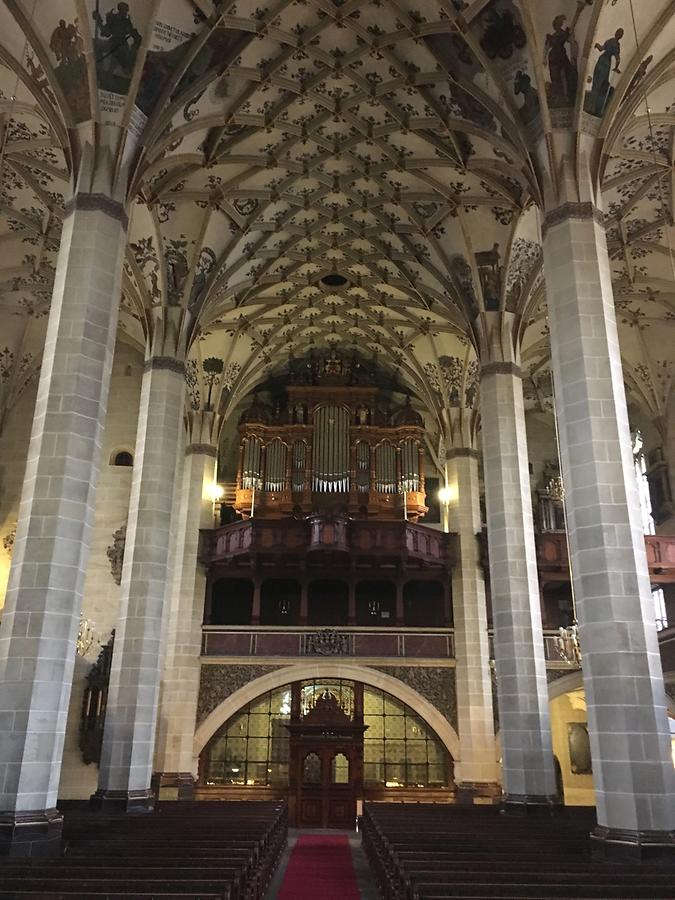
116, 43
562, 70
71, 69
601, 90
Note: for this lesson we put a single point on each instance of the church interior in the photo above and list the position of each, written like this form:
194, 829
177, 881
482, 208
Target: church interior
337, 448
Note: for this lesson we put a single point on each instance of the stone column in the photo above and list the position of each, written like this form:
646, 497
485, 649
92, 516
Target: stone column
175, 765
476, 771
623, 679
528, 775
131, 715
44, 596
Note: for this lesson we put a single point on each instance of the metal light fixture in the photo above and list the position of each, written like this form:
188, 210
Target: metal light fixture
374, 607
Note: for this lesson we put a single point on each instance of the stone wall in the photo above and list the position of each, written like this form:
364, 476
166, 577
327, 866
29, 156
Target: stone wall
435, 684
101, 592
218, 682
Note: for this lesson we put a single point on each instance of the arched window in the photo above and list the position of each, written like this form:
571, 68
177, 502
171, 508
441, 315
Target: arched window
122, 458
253, 747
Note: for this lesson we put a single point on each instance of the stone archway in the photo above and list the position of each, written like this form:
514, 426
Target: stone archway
327, 669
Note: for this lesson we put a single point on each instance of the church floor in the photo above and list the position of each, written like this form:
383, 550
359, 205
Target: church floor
323, 863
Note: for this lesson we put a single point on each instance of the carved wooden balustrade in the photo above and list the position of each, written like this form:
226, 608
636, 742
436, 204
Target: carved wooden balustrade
323, 538
553, 565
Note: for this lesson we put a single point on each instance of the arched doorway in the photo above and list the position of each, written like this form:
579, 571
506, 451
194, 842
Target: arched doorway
325, 744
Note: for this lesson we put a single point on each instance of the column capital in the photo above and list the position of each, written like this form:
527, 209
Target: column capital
97, 203
585, 211
462, 453
204, 449
166, 363
500, 368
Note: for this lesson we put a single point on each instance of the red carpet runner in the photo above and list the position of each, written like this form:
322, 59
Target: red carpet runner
320, 868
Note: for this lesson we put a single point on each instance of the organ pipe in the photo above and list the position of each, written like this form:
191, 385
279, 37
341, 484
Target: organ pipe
330, 438
385, 468
410, 475
298, 469
330, 469
275, 468
252, 464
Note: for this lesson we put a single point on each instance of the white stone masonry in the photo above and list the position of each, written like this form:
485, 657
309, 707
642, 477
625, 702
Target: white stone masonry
528, 775
178, 711
131, 715
44, 597
478, 765
630, 740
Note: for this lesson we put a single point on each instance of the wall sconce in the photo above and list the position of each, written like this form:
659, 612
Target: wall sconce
447, 494
216, 492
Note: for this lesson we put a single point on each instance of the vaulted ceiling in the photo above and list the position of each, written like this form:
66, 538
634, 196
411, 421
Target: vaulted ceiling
362, 174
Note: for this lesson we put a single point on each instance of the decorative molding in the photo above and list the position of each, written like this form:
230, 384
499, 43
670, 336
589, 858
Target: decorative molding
165, 363
203, 449
462, 453
562, 119
8, 540
435, 684
217, 683
115, 553
501, 368
97, 203
582, 211
327, 642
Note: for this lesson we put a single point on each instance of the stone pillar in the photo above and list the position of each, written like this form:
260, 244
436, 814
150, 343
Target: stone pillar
44, 596
256, 606
131, 715
399, 607
528, 776
175, 766
476, 771
623, 679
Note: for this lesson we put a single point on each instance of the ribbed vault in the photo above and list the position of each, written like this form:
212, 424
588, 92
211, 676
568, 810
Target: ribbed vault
401, 146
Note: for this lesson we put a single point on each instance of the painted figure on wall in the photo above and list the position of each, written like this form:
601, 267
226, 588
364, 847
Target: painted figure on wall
601, 90
116, 45
71, 69
562, 69
522, 85
640, 73
503, 34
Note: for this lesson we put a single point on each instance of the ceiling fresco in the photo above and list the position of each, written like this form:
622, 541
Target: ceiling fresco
308, 174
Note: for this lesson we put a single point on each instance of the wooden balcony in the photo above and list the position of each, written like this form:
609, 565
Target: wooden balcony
328, 540
552, 560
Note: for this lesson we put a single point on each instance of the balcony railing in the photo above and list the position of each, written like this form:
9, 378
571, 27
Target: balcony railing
268, 641
436, 644
320, 536
553, 561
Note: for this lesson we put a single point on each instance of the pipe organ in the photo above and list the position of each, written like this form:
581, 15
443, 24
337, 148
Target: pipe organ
330, 447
